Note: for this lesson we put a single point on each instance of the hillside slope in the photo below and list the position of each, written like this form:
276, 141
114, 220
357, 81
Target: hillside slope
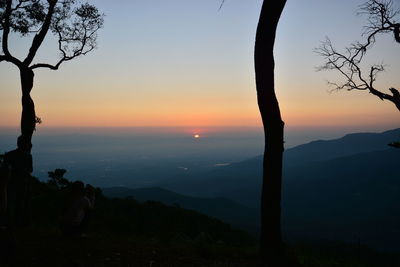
222, 208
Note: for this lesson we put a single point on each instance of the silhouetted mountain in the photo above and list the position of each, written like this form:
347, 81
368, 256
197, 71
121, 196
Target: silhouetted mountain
241, 181
221, 208
348, 145
332, 194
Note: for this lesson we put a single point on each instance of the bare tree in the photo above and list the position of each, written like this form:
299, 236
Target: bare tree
271, 246
75, 26
381, 19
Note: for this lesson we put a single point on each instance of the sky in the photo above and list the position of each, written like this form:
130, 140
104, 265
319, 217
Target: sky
186, 63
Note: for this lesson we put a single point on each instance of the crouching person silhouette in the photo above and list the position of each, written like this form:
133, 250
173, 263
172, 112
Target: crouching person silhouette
79, 203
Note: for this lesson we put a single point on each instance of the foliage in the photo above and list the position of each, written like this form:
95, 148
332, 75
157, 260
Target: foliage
75, 25
125, 232
128, 217
57, 178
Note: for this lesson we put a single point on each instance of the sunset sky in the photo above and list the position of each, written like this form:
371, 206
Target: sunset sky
184, 63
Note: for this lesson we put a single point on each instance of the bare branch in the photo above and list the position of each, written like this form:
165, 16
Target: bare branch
222, 3
45, 65
381, 20
347, 66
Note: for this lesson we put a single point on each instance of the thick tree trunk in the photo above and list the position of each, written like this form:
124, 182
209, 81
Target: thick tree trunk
396, 32
20, 159
28, 117
271, 247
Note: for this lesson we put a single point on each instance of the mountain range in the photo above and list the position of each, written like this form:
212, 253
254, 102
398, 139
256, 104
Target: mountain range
343, 189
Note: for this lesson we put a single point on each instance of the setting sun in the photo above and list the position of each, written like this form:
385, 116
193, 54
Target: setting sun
196, 136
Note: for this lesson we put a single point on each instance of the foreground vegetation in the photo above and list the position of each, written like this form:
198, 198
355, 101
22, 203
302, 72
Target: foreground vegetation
125, 232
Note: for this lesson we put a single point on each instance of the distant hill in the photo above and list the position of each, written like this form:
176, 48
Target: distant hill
240, 180
219, 207
346, 198
350, 144
344, 189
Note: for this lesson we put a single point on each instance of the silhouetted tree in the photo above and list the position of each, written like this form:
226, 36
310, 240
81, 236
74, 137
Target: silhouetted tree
381, 19
271, 239
57, 178
73, 23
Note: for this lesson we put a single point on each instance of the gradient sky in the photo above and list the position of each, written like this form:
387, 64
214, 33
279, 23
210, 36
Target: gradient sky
184, 63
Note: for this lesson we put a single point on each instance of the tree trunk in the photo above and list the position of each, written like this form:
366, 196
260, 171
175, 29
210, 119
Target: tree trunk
20, 159
271, 247
28, 117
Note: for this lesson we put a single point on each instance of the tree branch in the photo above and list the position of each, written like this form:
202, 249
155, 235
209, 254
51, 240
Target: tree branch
381, 20
222, 3
348, 67
6, 28
11, 59
76, 39
45, 65
6, 31
38, 39
18, 6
